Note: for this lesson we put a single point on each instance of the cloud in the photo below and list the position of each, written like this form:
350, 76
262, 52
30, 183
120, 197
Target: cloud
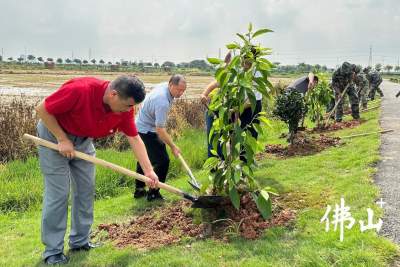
324, 32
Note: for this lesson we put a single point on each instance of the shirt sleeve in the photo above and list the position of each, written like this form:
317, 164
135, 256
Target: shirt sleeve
161, 113
127, 125
64, 99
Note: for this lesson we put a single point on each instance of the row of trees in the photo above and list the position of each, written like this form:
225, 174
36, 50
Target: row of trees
387, 68
198, 63
31, 59
301, 67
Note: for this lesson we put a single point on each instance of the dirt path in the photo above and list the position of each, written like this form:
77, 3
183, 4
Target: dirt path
388, 175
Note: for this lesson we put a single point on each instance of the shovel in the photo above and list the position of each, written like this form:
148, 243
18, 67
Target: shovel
336, 104
193, 182
198, 202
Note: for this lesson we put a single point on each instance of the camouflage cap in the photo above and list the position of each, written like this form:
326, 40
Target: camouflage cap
366, 69
357, 68
346, 68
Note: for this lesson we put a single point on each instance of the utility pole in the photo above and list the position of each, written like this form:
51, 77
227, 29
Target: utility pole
72, 55
370, 56
90, 54
219, 53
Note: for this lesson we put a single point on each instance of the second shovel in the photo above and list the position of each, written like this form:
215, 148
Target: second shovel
193, 182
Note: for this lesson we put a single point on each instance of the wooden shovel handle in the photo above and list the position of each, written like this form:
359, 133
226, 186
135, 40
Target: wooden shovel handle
364, 134
185, 165
336, 104
109, 165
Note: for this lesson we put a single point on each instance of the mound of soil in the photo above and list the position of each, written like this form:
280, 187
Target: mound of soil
170, 224
160, 226
338, 126
249, 222
302, 146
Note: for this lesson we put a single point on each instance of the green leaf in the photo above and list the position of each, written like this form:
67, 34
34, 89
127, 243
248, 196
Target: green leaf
261, 31
263, 66
250, 28
224, 79
270, 86
249, 152
264, 194
211, 163
232, 46
264, 204
251, 141
245, 83
235, 198
271, 190
237, 176
224, 151
211, 134
258, 128
234, 61
229, 176
263, 90
204, 186
253, 100
214, 61
242, 37
219, 72
266, 121
246, 171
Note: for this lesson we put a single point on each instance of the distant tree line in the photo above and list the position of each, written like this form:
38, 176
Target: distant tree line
199, 64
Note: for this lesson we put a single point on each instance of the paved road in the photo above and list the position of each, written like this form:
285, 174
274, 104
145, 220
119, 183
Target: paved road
388, 175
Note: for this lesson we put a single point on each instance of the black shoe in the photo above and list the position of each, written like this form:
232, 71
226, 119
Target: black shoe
56, 259
139, 193
154, 195
86, 247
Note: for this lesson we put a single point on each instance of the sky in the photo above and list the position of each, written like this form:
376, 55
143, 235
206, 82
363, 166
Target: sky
325, 32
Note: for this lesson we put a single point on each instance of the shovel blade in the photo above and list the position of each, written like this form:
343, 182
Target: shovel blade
208, 202
194, 185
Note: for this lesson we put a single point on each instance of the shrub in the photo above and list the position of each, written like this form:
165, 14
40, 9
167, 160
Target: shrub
290, 108
17, 117
318, 98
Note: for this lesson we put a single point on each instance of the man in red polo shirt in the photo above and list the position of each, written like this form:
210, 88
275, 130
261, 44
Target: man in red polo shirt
82, 109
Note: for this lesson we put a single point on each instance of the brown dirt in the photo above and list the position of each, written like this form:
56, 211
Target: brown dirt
304, 145
161, 226
170, 224
249, 221
338, 126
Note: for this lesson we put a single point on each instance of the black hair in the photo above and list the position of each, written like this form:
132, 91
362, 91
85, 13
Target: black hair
176, 79
129, 86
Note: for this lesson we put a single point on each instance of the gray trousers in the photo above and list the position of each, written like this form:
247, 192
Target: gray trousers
61, 173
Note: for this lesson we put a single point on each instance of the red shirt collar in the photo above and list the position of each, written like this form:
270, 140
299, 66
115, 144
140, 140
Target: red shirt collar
99, 98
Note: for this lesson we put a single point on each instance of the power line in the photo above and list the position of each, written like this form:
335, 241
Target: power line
370, 56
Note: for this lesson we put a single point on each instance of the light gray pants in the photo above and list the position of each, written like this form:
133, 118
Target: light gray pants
59, 174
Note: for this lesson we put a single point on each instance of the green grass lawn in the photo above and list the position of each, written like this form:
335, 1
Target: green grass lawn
310, 184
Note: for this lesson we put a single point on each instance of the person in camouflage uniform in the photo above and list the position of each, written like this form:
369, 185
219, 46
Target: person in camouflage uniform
362, 87
375, 79
344, 77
